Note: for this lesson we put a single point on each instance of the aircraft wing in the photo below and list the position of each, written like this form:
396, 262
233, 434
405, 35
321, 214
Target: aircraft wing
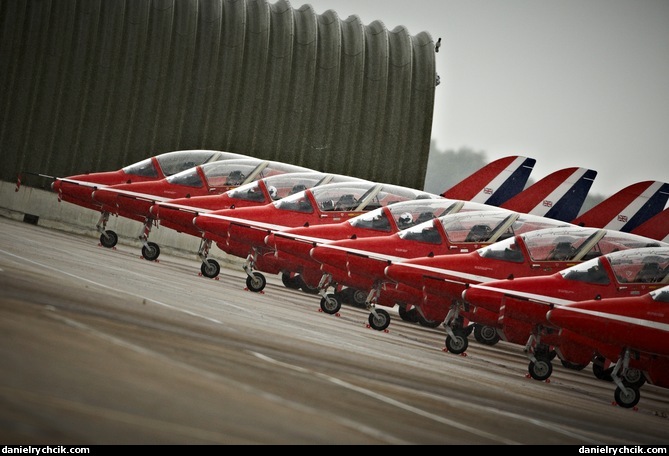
534, 297
136, 195
362, 253
445, 275
260, 226
184, 208
650, 324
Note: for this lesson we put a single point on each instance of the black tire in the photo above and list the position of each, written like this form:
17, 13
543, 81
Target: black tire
634, 377
291, 281
629, 398
573, 366
600, 370
307, 288
330, 304
108, 239
256, 282
354, 297
210, 268
151, 251
380, 321
427, 323
410, 315
541, 369
458, 344
357, 298
486, 335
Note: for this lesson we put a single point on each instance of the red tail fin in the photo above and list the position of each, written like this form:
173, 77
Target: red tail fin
559, 195
628, 208
495, 183
656, 227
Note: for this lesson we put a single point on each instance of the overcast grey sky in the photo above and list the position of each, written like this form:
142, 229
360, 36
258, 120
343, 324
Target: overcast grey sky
567, 82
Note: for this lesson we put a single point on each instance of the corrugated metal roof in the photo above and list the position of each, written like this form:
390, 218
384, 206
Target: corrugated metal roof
90, 85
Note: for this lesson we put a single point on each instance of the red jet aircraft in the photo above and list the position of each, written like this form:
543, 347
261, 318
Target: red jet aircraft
294, 245
521, 303
78, 189
633, 330
241, 232
498, 181
437, 283
453, 233
134, 201
364, 254
561, 194
178, 214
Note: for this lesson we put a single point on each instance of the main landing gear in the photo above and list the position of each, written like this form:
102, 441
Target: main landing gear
331, 303
150, 250
255, 281
210, 267
540, 355
457, 340
627, 394
108, 238
378, 319
456, 333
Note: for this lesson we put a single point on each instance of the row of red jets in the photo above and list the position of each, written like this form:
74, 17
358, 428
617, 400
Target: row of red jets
380, 244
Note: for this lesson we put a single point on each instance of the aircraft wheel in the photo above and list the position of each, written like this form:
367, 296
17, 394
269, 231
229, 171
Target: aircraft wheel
540, 370
458, 344
307, 288
330, 304
410, 315
291, 281
358, 298
256, 282
380, 321
600, 369
108, 239
151, 251
634, 377
573, 366
627, 399
486, 335
210, 268
425, 322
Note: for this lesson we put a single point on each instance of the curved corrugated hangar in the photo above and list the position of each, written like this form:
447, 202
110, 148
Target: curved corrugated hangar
92, 85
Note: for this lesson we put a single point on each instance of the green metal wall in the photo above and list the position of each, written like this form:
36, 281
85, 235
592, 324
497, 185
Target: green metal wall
91, 85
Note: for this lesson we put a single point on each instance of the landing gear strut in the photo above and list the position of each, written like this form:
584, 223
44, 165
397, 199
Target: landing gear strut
108, 238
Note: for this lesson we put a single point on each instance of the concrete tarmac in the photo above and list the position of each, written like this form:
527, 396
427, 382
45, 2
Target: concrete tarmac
99, 346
